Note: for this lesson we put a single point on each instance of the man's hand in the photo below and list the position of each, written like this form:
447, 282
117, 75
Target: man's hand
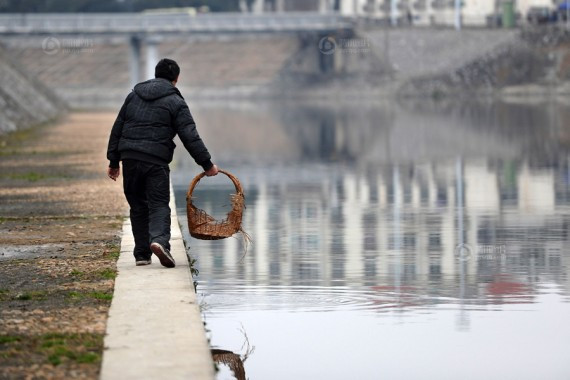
113, 173
212, 171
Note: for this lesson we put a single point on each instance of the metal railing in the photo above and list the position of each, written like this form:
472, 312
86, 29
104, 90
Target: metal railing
164, 23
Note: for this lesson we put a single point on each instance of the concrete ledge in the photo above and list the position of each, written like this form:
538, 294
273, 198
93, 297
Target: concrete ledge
155, 330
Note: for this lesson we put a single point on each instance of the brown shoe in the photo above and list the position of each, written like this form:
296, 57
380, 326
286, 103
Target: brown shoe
163, 255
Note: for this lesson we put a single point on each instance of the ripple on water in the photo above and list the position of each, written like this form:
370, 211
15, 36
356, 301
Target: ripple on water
223, 297
323, 299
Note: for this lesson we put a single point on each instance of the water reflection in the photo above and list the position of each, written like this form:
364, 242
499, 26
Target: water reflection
231, 360
344, 229
229, 363
403, 213
383, 132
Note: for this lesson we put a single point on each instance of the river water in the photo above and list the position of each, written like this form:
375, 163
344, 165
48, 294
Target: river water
398, 241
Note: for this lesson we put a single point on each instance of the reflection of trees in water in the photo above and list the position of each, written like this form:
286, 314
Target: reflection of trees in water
539, 128
410, 129
336, 133
382, 132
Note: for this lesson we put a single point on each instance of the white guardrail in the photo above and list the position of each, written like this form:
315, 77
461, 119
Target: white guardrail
34, 23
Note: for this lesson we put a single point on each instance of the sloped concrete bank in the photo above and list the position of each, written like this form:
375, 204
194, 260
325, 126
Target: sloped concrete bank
24, 101
524, 63
370, 63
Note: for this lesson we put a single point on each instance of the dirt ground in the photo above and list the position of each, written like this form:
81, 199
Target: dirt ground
60, 222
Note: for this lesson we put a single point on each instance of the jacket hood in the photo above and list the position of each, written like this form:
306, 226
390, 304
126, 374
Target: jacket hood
156, 88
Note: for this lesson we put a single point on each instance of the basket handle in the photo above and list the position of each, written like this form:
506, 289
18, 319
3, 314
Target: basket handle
237, 184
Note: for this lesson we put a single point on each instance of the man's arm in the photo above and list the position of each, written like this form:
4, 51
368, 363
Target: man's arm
185, 127
113, 148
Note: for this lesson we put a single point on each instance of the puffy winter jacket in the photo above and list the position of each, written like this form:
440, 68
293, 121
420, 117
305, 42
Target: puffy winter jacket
152, 115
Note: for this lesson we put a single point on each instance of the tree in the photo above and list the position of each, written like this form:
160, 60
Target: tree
65, 6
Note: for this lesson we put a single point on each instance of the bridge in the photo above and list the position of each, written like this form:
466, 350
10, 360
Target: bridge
167, 23
150, 29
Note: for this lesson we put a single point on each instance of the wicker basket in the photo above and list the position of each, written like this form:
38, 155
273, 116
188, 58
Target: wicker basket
205, 227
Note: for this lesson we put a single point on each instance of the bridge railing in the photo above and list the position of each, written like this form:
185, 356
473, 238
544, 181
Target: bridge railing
169, 22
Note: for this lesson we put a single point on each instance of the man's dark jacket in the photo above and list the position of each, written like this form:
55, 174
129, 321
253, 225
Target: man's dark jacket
152, 115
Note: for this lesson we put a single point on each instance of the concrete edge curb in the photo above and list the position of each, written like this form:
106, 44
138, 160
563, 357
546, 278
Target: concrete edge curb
154, 329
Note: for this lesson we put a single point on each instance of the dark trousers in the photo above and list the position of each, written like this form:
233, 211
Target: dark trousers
147, 188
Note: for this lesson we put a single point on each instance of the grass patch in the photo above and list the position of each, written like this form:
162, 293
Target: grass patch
16, 137
36, 295
4, 339
108, 274
112, 252
30, 176
33, 219
193, 270
49, 153
114, 255
80, 348
88, 357
100, 296
8, 153
77, 296
74, 296
4, 294
53, 348
19, 137
77, 273
33, 176
116, 225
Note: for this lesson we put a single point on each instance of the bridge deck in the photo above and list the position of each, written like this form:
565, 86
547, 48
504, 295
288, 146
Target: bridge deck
169, 23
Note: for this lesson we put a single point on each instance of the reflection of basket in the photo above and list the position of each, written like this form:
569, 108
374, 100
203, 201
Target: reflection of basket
231, 360
203, 226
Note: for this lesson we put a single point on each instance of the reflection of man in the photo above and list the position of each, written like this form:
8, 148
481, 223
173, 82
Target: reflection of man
153, 113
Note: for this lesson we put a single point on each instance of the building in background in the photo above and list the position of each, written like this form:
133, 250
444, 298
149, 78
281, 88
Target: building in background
476, 13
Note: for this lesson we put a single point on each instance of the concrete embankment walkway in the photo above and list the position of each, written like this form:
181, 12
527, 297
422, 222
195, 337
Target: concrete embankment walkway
155, 330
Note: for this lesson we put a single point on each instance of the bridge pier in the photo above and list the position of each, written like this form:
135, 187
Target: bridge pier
331, 60
326, 6
258, 6
135, 59
151, 57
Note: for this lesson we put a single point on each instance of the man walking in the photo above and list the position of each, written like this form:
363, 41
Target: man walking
141, 137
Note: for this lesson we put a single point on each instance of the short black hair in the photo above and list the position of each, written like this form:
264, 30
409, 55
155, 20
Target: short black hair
167, 69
